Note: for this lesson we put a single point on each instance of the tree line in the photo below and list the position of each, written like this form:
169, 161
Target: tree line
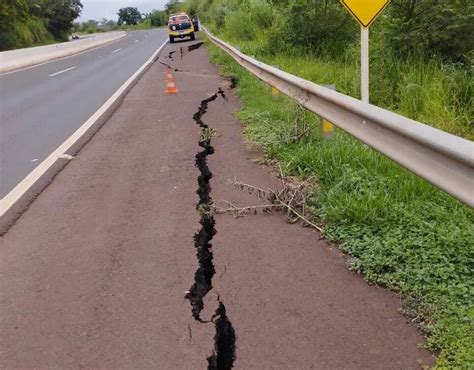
428, 28
26, 23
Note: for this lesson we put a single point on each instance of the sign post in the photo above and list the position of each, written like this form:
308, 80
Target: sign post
364, 64
365, 12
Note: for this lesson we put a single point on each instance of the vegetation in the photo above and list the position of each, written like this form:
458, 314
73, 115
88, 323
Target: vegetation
129, 16
398, 230
26, 23
93, 26
157, 18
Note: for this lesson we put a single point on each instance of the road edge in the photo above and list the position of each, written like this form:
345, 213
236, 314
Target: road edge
17, 201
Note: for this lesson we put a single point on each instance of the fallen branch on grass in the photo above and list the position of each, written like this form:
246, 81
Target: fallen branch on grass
292, 198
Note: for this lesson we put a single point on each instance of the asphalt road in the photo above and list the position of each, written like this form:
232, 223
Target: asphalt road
95, 273
40, 107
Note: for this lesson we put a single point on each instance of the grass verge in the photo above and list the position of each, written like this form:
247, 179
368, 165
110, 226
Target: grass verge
398, 231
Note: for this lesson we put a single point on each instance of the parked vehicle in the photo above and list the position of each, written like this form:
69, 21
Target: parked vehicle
180, 26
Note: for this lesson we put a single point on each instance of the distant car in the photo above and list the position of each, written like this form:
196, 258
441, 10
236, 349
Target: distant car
180, 26
74, 37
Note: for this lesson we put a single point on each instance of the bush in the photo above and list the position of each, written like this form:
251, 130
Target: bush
25, 34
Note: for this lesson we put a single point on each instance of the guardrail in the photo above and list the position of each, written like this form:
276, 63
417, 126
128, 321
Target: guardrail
445, 160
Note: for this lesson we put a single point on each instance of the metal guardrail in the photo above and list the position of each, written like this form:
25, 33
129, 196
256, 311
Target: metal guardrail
445, 160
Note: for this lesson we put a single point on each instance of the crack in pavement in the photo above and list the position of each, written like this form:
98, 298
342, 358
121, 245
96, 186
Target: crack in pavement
171, 67
195, 46
181, 50
203, 276
223, 355
170, 55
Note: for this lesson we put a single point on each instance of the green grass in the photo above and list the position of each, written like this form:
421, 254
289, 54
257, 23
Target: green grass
441, 96
399, 231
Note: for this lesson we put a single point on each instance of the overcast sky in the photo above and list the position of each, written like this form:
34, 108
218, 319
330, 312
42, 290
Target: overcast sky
98, 9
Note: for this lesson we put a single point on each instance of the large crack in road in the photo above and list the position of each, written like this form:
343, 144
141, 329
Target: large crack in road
223, 356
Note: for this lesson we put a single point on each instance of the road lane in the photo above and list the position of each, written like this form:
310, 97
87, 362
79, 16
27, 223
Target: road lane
41, 106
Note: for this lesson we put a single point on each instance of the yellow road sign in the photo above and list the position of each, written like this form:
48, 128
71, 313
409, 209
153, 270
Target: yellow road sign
365, 11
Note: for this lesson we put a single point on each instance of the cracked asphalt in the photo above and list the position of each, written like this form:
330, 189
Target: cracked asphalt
94, 274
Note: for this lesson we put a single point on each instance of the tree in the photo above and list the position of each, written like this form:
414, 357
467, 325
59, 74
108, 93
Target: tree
129, 15
58, 14
90, 26
316, 26
12, 12
173, 6
431, 28
158, 18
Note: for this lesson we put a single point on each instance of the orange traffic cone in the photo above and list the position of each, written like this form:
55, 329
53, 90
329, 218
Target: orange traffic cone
170, 86
169, 76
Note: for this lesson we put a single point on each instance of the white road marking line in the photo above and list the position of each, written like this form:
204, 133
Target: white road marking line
136, 41
64, 70
22, 187
34, 159
116, 50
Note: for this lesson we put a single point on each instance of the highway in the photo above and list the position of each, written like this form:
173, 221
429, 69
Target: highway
42, 106
118, 265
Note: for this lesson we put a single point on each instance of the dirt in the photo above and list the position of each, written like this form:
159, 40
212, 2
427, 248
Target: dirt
95, 272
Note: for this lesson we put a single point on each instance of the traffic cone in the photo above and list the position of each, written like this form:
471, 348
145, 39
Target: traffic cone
169, 76
170, 86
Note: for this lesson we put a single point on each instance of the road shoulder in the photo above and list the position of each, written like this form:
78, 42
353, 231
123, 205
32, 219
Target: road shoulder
99, 265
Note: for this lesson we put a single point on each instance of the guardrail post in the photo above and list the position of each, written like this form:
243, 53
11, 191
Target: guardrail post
327, 128
274, 91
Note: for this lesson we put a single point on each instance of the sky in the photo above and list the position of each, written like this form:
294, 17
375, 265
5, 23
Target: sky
98, 9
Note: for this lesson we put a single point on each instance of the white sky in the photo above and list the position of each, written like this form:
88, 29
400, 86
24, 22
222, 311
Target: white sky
98, 9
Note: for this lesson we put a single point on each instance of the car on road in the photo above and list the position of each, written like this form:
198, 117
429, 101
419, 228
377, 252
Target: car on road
180, 26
